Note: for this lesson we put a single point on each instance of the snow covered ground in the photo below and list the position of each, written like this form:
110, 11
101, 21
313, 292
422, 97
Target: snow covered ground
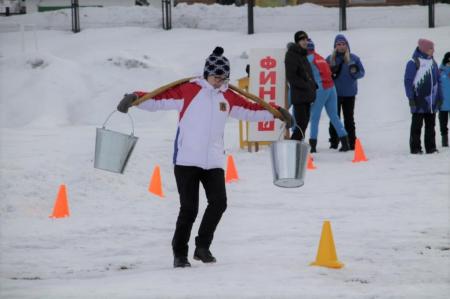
390, 216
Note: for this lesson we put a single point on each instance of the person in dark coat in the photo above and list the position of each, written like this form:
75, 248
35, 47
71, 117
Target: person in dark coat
302, 86
346, 69
422, 90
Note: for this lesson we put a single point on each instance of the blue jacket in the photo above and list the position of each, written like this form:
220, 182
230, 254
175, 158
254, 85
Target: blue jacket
445, 87
422, 84
346, 83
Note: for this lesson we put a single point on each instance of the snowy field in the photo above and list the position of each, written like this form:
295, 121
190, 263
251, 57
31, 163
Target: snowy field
390, 216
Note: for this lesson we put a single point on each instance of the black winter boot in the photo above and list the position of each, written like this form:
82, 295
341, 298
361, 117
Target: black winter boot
416, 151
204, 255
345, 146
333, 143
181, 262
445, 141
313, 144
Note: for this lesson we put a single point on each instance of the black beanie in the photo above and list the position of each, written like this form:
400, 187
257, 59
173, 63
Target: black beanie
446, 58
300, 35
216, 64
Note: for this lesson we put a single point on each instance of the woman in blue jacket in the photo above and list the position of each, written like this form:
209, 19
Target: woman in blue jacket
422, 90
445, 91
346, 68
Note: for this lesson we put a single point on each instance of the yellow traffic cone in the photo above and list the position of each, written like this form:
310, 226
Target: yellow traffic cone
326, 254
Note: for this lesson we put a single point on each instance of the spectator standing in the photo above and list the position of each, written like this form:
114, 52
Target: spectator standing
421, 82
325, 97
302, 87
444, 110
346, 69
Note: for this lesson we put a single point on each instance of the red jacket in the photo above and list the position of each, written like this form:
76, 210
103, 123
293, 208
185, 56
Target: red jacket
324, 71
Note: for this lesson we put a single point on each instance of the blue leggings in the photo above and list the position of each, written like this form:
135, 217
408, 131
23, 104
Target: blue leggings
325, 98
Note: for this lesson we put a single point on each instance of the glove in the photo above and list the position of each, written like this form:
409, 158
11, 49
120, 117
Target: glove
353, 68
286, 117
412, 103
126, 102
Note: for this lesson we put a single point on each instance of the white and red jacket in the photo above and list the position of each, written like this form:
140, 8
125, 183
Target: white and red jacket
203, 114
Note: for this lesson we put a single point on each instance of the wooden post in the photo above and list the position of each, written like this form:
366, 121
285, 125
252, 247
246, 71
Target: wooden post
431, 13
342, 15
250, 4
75, 16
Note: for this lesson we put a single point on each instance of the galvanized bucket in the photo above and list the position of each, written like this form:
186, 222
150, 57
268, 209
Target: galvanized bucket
289, 159
113, 149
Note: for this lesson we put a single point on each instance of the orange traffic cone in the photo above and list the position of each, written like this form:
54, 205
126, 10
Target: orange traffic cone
61, 208
155, 186
359, 152
231, 174
310, 164
326, 254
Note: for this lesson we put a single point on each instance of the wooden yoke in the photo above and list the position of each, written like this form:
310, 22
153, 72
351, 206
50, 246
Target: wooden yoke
243, 93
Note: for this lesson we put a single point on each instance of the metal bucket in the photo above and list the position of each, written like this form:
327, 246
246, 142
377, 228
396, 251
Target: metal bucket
289, 159
113, 149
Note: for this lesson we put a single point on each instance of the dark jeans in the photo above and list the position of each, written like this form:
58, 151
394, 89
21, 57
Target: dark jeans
347, 105
188, 182
443, 122
301, 114
417, 121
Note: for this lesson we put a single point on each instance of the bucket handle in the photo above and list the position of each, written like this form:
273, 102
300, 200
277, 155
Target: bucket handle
296, 125
131, 119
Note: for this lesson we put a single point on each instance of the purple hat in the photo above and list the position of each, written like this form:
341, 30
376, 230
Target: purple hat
310, 46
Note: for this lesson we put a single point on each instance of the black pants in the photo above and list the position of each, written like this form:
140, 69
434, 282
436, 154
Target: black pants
301, 114
443, 122
347, 106
188, 182
417, 121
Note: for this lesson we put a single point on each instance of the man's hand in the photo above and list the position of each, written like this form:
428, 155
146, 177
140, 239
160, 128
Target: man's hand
286, 117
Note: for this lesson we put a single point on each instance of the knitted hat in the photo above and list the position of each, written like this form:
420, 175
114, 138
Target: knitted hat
310, 46
216, 64
300, 35
425, 45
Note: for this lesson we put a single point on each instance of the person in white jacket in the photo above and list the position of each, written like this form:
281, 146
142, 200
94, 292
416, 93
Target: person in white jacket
204, 105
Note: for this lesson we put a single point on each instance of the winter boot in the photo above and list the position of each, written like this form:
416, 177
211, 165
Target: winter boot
181, 262
313, 144
333, 143
416, 151
345, 146
433, 151
351, 143
445, 141
204, 255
